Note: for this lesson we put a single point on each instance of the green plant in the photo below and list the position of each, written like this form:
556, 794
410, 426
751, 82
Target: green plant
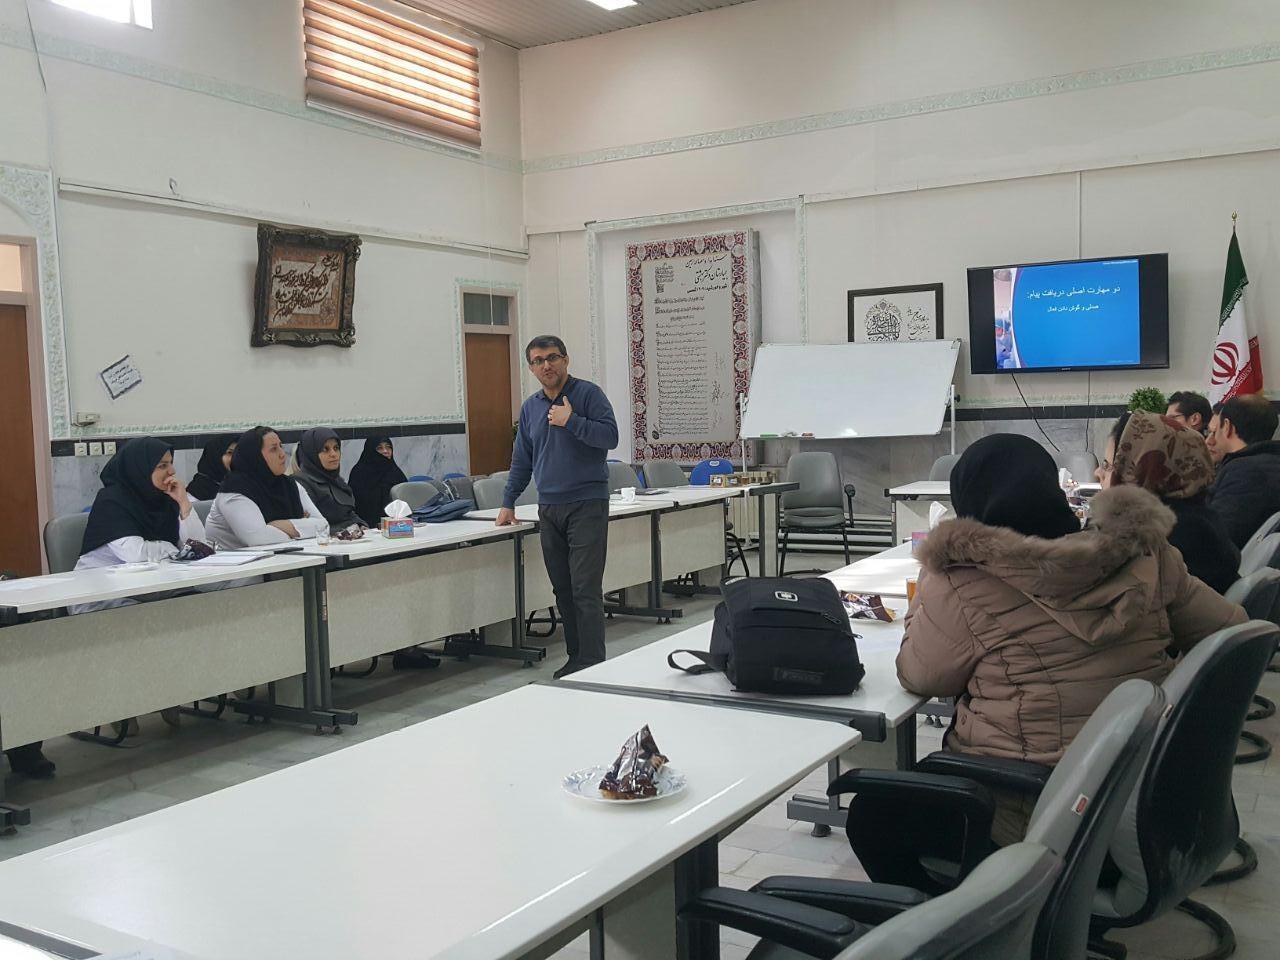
1149, 399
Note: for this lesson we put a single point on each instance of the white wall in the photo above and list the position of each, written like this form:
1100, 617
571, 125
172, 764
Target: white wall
925, 137
208, 108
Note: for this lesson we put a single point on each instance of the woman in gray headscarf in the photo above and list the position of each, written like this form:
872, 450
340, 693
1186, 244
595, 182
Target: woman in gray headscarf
319, 459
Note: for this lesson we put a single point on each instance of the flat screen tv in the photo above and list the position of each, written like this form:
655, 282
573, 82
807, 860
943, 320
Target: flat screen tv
1106, 314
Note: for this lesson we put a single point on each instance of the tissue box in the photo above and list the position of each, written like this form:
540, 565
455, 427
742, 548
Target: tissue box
393, 527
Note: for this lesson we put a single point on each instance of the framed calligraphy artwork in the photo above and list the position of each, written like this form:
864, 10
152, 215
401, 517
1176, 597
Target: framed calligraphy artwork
305, 288
896, 314
693, 312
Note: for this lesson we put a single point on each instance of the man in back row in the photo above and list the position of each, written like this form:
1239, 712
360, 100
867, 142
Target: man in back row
566, 429
1247, 489
1190, 409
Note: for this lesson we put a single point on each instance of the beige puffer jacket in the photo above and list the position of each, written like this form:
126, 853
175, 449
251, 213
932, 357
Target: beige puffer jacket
1032, 634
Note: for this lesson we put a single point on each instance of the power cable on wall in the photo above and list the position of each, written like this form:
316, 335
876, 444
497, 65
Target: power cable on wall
1033, 413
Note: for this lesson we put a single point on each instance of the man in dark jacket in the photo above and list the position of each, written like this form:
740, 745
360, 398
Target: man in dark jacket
1247, 489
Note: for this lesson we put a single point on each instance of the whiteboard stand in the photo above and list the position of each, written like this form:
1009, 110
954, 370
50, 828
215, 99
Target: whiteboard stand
952, 407
742, 441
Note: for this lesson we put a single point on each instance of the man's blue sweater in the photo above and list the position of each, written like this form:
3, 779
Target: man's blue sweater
567, 463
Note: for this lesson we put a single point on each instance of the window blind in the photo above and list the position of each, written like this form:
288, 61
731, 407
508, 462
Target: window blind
362, 58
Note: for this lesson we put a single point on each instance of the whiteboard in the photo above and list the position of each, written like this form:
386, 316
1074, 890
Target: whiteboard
847, 390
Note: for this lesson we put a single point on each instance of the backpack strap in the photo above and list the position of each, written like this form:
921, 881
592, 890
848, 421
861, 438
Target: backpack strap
710, 662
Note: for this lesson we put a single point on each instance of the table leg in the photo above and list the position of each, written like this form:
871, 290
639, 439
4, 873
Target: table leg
641, 923
317, 691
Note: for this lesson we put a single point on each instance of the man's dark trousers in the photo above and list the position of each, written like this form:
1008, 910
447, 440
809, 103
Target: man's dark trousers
574, 539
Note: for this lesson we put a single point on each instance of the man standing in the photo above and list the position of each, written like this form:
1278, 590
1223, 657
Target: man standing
1247, 489
565, 431
1191, 410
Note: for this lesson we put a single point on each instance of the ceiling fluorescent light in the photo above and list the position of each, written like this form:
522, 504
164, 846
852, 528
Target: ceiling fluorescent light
614, 4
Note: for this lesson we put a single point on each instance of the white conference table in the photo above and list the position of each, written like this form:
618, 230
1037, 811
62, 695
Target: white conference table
880, 709
486, 856
884, 573
60, 674
385, 594
629, 562
910, 503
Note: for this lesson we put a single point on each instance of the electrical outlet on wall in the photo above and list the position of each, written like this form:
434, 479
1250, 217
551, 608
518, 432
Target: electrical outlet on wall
95, 448
108, 448
81, 449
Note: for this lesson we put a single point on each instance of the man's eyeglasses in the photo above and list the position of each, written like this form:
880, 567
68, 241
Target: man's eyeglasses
549, 358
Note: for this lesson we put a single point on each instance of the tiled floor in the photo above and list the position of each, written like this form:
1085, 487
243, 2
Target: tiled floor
97, 786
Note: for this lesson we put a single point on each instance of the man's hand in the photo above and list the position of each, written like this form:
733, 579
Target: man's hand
560, 413
506, 517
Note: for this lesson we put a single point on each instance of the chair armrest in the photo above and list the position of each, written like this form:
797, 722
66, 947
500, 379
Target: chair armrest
957, 793
1021, 776
869, 903
818, 933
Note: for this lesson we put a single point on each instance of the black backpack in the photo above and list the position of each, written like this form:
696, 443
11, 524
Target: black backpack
781, 635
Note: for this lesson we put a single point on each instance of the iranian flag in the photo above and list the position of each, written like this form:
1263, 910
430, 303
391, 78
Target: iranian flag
1235, 367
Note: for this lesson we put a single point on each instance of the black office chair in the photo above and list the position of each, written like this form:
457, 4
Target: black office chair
1177, 828
1101, 765
991, 915
1259, 594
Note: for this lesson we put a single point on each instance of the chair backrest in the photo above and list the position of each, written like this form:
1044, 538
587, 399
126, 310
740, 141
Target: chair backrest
1079, 463
664, 473
941, 469
1264, 553
500, 475
1076, 814
990, 916
453, 476
622, 475
202, 508
530, 494
819, 477
1181, 821
701, 474
414, 492
62, 539
1258, 593
1270, 526
488, 492
421, 477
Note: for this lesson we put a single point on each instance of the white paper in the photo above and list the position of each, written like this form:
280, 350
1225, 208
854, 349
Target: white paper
227, 559
121, 377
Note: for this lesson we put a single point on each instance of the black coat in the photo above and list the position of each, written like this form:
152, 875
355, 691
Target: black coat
1247, 489
1202, 540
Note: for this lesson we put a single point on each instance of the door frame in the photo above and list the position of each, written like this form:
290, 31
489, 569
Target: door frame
511, 331
28, 298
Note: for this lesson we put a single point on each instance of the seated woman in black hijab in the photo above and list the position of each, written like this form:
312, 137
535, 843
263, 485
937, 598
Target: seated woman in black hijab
142, 513
257, 504
319, 461
372, 478
214, 463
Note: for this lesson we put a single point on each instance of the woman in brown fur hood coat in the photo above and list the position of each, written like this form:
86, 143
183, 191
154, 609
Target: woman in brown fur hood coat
1031, 622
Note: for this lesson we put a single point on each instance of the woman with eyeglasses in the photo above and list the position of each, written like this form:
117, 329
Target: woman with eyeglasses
257, 504
372, 478
1171, 460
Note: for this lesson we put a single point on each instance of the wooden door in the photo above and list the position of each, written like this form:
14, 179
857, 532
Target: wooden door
489, 415
19, 518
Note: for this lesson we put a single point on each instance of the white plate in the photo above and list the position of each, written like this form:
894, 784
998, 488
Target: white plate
132, 567
585, 785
